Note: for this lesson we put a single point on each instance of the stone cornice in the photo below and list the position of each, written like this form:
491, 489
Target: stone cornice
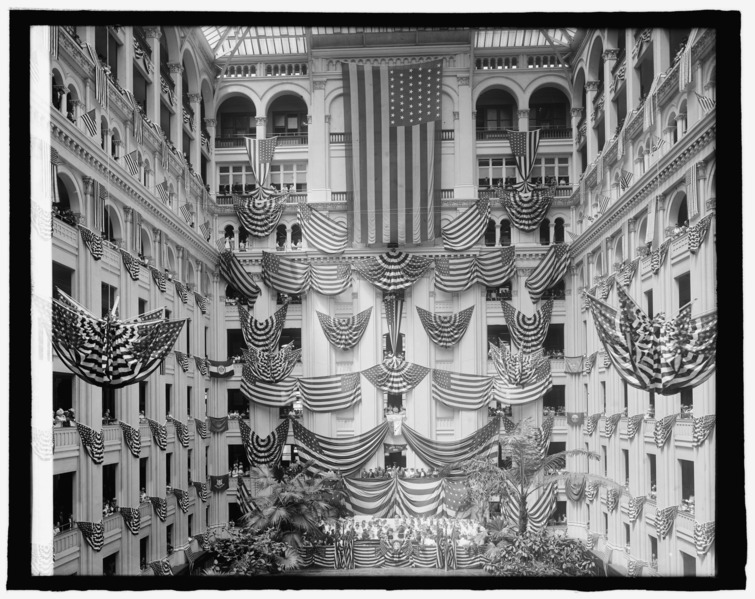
79, 60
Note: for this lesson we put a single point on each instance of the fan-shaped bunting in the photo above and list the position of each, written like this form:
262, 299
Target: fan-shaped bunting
271, 367
549, 271
522, 378
262, 335
393, 270
445, 330
260, 212
396, 375
345, 333
528, 332
265, 450
527, 210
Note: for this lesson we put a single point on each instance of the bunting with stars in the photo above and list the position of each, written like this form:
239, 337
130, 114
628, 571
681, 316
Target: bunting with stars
465, 231
664, 521
235, 274
182, 291
702, 429
491, 268
161, 568
612, 499
592, 422
183, 499
159, 433
159, 278
202, 302
268, 450
133, 266
610, 424
393, 270
132, 518
704, 535
132, 437
201, 427
93, 533
262, 335
527, 210
182, 431
345, 333
635, 507
92, 442
203, 491
663, 428
633, 425
445, 330
522, 378
395, 375
92, 241
696, 235
160, 507
183, 360
528, 332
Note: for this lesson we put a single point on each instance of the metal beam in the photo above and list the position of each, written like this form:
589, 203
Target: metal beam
228, 60
555, 49
222, 39
566, 33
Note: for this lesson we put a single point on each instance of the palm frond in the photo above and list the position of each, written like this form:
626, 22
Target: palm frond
290, 560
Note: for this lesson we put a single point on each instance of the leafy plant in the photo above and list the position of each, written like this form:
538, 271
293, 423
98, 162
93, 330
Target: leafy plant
243, 554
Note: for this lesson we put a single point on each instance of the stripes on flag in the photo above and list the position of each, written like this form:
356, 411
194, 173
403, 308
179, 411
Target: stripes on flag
445, 331
330, 278
93, 442
132, 517
266, 450
243, 496
133, 266
392, 114
330, 393
464, 231
159, 433
202, 365
656, 143
265, 367
262, 335
159, 278
461, 391
393, 270
163, 191
260, 212
90, 122
93, 533
132, 162
345, 333
524, 145
528, 332
522, 378
322, 233
187, 211
92, 241
690, 184
202, 302
235, 274
706, 104
395, 375
132, 438
182, 291
491, 268
204, 228
625, 178
260, 153
296, 278
527, 210
549, 271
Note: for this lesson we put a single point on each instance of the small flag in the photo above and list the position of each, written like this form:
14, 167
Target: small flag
162, 189
202, 302
220, 243
625, 179
187, 211
221, 369
205, 229
132, 163
706, 103
656, 144
572, 235
89, 121
603, 200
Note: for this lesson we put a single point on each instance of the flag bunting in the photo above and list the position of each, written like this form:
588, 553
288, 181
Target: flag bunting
345, 333
491, 268
465, 231
549, 271
445, 330
393, 270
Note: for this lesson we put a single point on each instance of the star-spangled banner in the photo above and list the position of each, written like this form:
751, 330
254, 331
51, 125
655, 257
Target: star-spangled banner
133, 266
705, 535
633, 425
592, 422
635, 507
202, 302
551, 269
182, 291
182, 431
161, 568
160, 507
524, 145
330, 393
296, 278
321, 232
664, 521
132, 518
260, 153
93, 533
183, 499
262, 335
663, 428
202, 366
491, 268
159, 278
445, 330
92, 442
159, 433
528, 332
132, 438
345, 333
465, 230
92, 242
395, 375
235, 274
265, 393
394, 270
611, 424
461, 391
658, 256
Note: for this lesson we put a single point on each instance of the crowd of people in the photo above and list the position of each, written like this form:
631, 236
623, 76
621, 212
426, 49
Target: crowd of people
400, 472
63, 417
63, 522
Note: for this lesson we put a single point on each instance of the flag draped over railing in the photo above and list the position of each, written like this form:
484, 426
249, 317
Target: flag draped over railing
590, 362
663, 428
527, 210
549, 271
203, 492
658, 256
218, 424
260, 212
182, 431
592, 422
635, 507
626, 274
395, 375
440, 454
182, 290
524, 145
201, 427
183, 499
262, 335
133, 266
296, 278
271, 367
605, 286
528, 332
132, 518
393, 270
696, 234
633, 425
610, 424
321, 232
344, 454
592, 489
664, 521
92, 241
345, 333
202, 365
183, 360
491, 268
522, 378
445, 330
702, 428
274, 395
159, 433
159, 278
93, 533
202, 302
160, 507
461, 391
232, 271
267, 450
464, 231
161, 568
331, 392
92, 442
659, 355
612, 499
705, 535
132, 437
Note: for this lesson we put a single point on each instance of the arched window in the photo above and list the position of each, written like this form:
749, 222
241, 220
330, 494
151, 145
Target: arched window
490, 233
545, 232
296, 237
682, 216
281, 234
671, 128
243, 236
146, 174
641, 159
115, 144
505, 232
229, 234
103, 133
558, 231
681, 118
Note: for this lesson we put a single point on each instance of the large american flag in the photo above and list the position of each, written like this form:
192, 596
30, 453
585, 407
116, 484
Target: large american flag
90, 122
345, 333
260, 212
461, 391
456, 501
491, 268
260, 152
528, 332
445, 330
322, 233
330, 278
233, 272
392, 114
330, 393
440, 454
286, 276
524, 146
464, 231
272, 394
549, 271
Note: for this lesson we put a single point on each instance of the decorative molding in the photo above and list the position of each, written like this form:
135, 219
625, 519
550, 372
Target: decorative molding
153, 32
462, 80
523, 114
175, 67
577, 112
701, 170
592, 86
456, 115
710, 204
610, 54
195, 98
260, 120
319, 84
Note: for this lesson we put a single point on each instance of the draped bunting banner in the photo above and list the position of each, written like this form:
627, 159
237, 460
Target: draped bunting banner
592, 539
322, 233
132, 437
541, 509
201, 427
626, 274
575, 488
394, 307
664, 520
266, 450
183, 360
133, 266
635, 507
161, 568
658, 257
524, 146
697, 234
274, 395
345, 333
345, 554
159, 433
324, 556
612, 499
339, 454
232, 271
260, 153
465, 230
132, 517
260, 212
395, 375
203, 366
461, 391
664, 356
296, 278
183, 499
393, 270
541, 436
633, 425
93, 533
508, 425
592, 422
331, 279
527, 210
159, 278
702, 429
440, 454
574, 364
262, 335
109, 352
270, 367
575, 418
219, 484
415, 497
522, 378
591, 490
610, 424
160, 506
445, 331
605, 286
182, 291
92, 241
549, 271
491, 268
330, 393
705, 534
663, 428
218, 424
203, 492
92, 442
590, 362
528, 332
202, 302
634, 567
182, 431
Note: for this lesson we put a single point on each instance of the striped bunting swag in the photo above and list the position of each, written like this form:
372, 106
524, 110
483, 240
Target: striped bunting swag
697, 234
528, 332
232, 271
203, 491
270, 367
702, 429
635, 507
92, 242
705, 534
610, 424
201, 428
160, 507
591, 490
268, 450
466, 229
93, 533
322, 233
92, 442
592, 422
345, 333
188, 213
658, 257
592, 540
612, 499
393, 270
540, 510
331, 279
261, 212
445, 331
626, 274
634, 567
605, 286
159, 278
330, 393
243, 496
461, 391
395, 375
625, 179
202, 302
440, 454
183, 360
182, 290
664, 520
262, 335
549, 271
575, 488
325, 556
132, 517
202, 365
132, 264
161, 568
286, 276
663, 428
633, 425
183, 499
574, 364
159, 433
218, 424
339, 454
132, 437
182, 431
521, 378
274, 395
491, 268
524, 145
345, 555
527, 210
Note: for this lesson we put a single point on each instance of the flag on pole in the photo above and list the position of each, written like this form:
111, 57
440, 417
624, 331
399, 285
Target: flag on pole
162, 190
205, 229
656, 144
603, 201
625, 178
524, 146
132, 162
707, 104
690, 182
90, 122
187, 211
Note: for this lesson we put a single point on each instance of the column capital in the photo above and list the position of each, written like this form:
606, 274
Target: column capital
474, 114
180, 252
157, 234
462, 79
199, 266
592, 86
577, 112
88, 184
327, 119
319, 84
153, 32
590, 258
660, 202
215, 276
210, 123
701, 172
129, 214
632, 225
175, 67
261, 120
523, 114
195, 98
309, 119
710, 204
76, 103
610, 54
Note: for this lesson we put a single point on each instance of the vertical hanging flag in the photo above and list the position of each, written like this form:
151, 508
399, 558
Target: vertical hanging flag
392, 115
260, 152
89, 119
187, 211
54, 41
707, 104
205, 229
690, 182
54, 163
656, 143
394, 307
524, 146
625, 178
132, 162
603, 201
163, 191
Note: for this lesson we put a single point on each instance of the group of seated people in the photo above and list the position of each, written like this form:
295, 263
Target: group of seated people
109, 507
557, 519
422, 531
63, 417
399, 472
239, 469
393, 410
235, 415
688, 505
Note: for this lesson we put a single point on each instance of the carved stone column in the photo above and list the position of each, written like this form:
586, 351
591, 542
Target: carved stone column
523, 121
576, 117
261, 127
465, 185
152, 109
176, 126
591, 87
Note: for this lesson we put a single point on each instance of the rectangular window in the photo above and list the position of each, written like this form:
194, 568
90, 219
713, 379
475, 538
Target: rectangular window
168, 399
687, 469
289, 176
235, 343
62, 278
109, 489
110, 565
603, 394
143, 552
237, 179
683, 289
188, 465
625, 455
289, 123
142, 306
142, 397
189, 400
108, 405
651, 471
496, 172
237, 402
653, 551
62, 392
687, 403
169, 538
604, 459
554, 340
555, 399
394, 402
206, 331
496, 294
498, 332
551, 170
168, 464
188, 335
108, 294
190, 523
689, 564
388, 349
626, 397
237, 462
649, 302
143, 466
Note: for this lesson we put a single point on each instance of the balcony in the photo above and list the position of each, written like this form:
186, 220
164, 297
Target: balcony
292, 139
340, 196
66, 439
553, 132
65, 542
233, 141
340, 138
65, 233
496, 63
492, 134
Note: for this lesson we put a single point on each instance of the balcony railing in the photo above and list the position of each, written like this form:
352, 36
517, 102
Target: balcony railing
553, 132
494, 63
340, 138
292, 139
234, 141
492, 134
446, 194
340, 196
